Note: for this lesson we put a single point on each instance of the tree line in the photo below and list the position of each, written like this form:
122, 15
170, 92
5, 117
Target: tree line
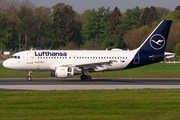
24, 26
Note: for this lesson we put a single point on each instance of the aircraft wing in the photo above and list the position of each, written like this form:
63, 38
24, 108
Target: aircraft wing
85, 65
93, 65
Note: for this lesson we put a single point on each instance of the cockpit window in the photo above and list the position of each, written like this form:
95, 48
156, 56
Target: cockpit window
15, 57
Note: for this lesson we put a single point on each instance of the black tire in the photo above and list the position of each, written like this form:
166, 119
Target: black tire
88, 78
29, 78
83, 77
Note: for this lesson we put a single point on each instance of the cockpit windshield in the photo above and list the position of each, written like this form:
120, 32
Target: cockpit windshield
15, 57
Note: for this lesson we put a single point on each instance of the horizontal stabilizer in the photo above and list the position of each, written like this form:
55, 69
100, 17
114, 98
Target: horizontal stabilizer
166, 56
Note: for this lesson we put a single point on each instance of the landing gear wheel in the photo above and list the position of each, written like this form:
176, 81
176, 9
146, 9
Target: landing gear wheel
83, 77
88, 78
29, 78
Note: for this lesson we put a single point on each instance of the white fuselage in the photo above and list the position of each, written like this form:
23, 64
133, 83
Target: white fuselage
47, 60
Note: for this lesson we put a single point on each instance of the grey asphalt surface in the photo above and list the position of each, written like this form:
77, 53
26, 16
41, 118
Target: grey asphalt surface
77, 84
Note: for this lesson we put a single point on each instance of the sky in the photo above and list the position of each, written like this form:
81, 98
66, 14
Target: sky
81, 5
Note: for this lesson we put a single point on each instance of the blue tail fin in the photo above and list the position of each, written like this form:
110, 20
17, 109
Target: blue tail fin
152, 50
157, 40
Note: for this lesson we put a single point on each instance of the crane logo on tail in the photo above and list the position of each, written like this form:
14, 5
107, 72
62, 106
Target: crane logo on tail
157, 41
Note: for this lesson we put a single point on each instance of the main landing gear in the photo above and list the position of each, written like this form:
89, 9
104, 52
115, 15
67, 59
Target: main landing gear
29, 78
86, 77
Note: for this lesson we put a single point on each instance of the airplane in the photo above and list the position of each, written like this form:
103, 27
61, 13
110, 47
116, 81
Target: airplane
67, 63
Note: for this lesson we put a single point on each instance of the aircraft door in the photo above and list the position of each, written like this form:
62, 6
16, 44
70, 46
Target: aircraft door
30, 58
137, 59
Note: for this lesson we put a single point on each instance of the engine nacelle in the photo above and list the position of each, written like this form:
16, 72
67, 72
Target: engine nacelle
64, 72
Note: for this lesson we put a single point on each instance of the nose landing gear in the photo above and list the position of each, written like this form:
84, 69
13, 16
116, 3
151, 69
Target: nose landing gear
29, 78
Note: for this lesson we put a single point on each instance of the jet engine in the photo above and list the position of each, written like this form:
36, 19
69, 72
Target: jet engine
62, 72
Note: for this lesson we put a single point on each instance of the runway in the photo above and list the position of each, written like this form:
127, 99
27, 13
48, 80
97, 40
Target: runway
77, 84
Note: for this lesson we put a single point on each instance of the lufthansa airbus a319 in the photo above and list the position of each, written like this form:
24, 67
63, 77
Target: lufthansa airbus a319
67, 63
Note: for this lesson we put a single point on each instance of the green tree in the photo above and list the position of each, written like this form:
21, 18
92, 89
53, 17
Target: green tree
65, 25
162, 12
4, 31
174, 16
130, 20
177, 8
149, 16
41, 31
177, 48
113, 41
115, 20
135, 37
174, 36
89, 26
96, 27
25, 16
59, 6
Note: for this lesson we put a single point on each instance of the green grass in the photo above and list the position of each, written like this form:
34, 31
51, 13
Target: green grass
91, 104
159, 70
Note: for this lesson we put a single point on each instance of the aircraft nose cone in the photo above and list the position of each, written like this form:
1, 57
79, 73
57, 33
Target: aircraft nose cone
5, 64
